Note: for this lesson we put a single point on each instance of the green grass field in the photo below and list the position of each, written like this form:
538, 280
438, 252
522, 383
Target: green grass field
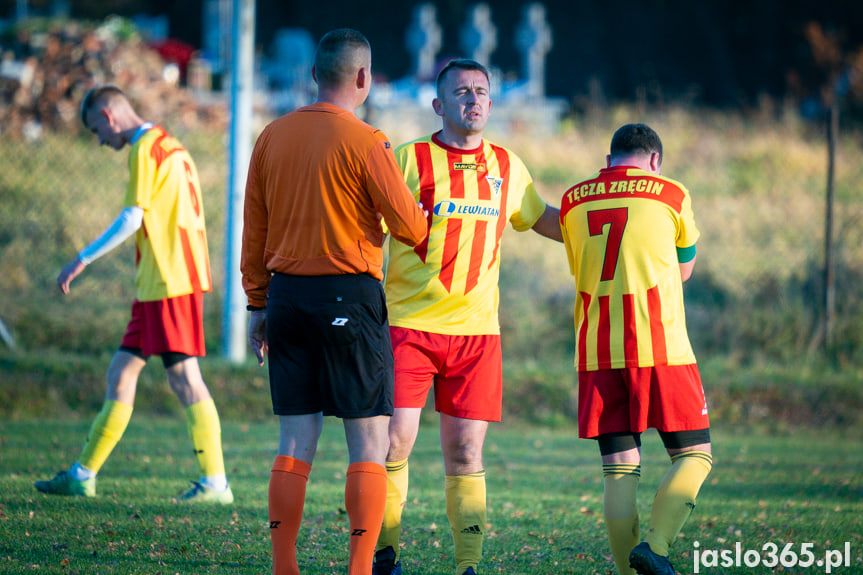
788, 410
544, 495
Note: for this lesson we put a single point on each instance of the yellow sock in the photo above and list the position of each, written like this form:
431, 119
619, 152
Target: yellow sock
206, 434
621, 515
397, 496
675, 498
466, 511
105, 431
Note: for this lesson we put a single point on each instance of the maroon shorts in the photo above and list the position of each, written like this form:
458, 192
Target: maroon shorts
175, 324
464, 369
667, 398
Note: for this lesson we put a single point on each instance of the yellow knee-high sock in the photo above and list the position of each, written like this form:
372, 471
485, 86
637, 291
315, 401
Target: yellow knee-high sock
466, 511
206, 434
621, 516
675, 498
397, 496
105, 431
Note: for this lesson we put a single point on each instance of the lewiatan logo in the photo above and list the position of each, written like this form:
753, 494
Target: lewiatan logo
449, 208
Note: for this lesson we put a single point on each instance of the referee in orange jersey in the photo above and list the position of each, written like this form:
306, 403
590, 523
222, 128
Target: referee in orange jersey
319, 181
630, 237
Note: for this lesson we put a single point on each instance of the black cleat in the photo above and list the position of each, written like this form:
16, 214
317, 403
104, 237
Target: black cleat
646, 562
385, 562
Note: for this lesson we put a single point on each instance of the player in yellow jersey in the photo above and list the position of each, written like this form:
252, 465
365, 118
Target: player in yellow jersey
630, 237
163, 208
442, 297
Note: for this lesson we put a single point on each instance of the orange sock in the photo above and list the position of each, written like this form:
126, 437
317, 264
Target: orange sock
287, 495
365, 497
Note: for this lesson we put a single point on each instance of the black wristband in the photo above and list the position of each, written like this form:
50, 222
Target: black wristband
255, 308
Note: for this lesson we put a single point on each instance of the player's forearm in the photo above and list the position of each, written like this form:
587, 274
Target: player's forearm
548, 224
686, 269
404, 218
253, 267
256, 287
126, 224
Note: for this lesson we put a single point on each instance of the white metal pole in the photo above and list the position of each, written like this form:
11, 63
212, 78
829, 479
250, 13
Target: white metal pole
235, 318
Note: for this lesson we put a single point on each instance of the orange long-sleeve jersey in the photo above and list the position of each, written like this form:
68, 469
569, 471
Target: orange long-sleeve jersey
319, 180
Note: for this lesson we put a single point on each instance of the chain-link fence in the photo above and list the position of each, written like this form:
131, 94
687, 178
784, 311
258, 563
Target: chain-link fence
758, 182
759, 197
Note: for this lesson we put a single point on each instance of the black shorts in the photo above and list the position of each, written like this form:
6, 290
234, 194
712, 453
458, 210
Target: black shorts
329, 346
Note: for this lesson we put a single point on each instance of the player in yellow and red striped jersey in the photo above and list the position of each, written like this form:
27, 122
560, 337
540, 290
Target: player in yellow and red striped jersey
630, 238
172, 254
448, 284
442, 297
163, 208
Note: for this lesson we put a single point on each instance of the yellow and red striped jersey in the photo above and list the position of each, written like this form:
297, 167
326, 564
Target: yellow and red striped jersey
172, 256
622, 229
448, 284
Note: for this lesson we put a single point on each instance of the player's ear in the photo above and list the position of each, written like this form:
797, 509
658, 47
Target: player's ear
438, 107
108, 115
314, 74
364, 78
607, 160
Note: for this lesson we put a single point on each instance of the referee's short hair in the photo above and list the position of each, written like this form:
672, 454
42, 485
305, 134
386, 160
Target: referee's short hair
340, 53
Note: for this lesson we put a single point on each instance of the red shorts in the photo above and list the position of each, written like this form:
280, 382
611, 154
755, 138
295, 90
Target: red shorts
668, 398
465, 370
175, 324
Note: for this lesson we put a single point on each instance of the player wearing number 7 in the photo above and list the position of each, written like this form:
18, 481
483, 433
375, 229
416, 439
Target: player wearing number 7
630, 238
163, 210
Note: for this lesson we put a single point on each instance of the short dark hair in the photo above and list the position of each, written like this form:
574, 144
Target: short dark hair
98, 96
340, 53
460, 64
633, 138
